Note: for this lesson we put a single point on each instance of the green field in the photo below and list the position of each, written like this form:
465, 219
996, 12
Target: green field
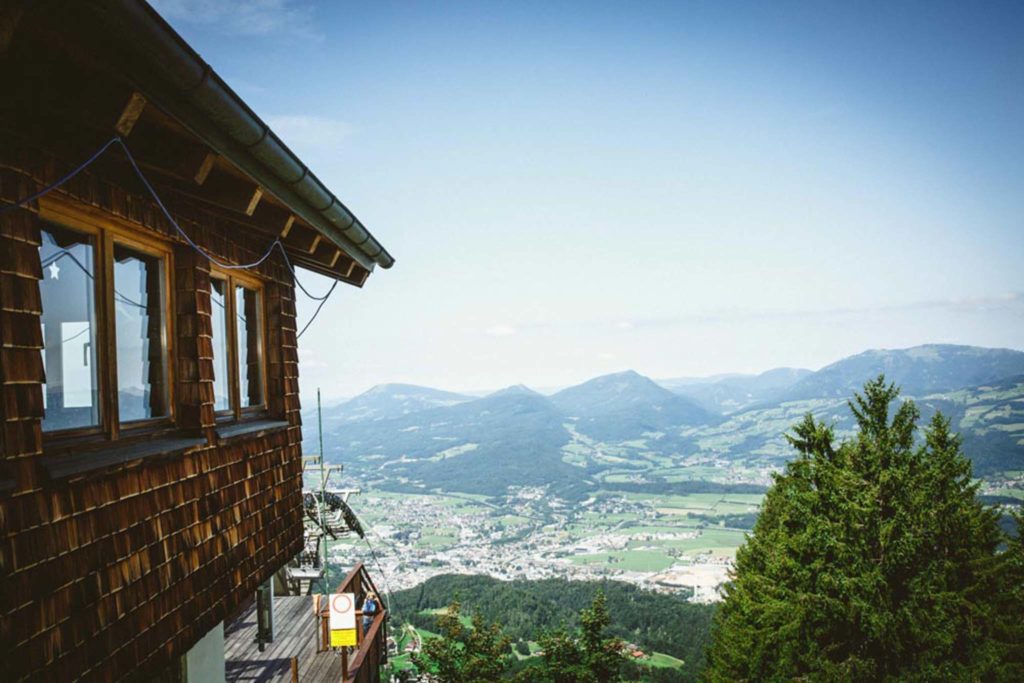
662, 661
1010, 493
665, 515
629, 560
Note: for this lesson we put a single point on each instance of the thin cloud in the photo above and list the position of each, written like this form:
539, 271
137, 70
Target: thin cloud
1011, 303
243, 17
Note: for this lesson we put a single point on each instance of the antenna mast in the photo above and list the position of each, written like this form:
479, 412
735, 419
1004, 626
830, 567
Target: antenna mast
323, 487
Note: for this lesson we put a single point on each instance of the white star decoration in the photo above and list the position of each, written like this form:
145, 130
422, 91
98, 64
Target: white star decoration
54, 271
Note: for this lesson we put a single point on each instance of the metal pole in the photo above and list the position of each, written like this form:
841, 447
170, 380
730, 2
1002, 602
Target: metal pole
323, 488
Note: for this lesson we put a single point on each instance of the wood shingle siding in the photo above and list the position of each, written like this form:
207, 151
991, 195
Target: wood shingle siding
117, 556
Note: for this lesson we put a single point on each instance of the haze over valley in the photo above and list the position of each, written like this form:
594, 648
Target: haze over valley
653, 481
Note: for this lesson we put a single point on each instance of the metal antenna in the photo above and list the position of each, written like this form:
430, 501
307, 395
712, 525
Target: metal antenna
323, 485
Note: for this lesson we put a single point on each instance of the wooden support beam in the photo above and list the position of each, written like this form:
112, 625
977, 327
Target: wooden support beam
205, 166
130, 114
300, 237
337, 255
288, 225
158, 149
316, 243
230, 192
256, 197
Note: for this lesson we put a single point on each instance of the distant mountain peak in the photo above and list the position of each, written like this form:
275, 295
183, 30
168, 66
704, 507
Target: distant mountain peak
394, 399
632, 398
917, 370
625, 373
389, 387
515, 390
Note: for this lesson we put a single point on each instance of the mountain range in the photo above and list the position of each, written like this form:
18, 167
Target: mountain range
626, 427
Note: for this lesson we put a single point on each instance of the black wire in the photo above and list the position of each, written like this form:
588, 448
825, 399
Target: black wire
60, 181
383, 574
167, 214
317, 311
53, 259
76, 336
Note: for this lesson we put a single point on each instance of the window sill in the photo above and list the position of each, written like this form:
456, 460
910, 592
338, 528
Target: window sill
255, 428
65, 466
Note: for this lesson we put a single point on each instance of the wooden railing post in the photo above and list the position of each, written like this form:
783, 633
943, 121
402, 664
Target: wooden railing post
368, 651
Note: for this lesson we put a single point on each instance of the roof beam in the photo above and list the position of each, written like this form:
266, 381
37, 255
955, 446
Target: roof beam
224, 189
205, 166
130, 114
288, 225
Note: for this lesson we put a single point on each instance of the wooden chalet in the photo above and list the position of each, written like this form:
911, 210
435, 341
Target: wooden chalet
151, 469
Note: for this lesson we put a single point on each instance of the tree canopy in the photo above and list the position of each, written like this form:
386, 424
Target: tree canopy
872, 559
589, 656
477, 653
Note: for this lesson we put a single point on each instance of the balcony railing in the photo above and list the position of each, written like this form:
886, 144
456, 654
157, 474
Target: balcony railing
371, 650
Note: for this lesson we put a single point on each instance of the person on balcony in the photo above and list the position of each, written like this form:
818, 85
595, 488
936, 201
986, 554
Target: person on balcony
370, 609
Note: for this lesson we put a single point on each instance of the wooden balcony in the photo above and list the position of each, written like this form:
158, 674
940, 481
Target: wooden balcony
363, 666
301, 648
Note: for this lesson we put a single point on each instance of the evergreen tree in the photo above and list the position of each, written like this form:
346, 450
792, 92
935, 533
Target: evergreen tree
588, 657
1007, 650
464, 654
871, 560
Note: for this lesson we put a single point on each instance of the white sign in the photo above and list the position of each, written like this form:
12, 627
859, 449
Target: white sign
343, 611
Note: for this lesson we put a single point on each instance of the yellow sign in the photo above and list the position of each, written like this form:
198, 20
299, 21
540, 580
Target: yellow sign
343, 620
344, 637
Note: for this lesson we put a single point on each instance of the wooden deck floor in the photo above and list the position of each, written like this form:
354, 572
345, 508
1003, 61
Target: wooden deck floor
294, 635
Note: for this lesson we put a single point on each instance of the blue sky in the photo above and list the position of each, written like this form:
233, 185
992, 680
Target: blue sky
680, 188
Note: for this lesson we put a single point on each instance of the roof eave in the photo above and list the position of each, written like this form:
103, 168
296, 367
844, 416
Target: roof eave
172, 75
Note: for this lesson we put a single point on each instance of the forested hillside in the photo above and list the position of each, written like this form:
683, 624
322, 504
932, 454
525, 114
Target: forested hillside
656, 622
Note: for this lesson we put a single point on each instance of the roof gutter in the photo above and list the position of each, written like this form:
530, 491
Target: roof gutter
191, 91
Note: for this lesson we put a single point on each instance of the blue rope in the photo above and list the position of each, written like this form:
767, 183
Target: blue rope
295, 275
63, 179
184, 235
167, 214
317, 311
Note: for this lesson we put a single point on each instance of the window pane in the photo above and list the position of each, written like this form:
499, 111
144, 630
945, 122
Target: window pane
141, 352
250, 346
218, 313
69, 323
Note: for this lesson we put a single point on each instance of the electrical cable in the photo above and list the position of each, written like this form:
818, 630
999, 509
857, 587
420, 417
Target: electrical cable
317, 311
383, 574
65, 252
295, 275
184, 235
117, 139
63, 179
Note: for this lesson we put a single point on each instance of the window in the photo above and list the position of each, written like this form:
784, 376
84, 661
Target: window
248, 323
105, 337
237, 316
139, 303
68, 289
219, 314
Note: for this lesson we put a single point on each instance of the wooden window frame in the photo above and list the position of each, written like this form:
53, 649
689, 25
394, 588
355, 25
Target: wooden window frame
233, 279
108, 230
